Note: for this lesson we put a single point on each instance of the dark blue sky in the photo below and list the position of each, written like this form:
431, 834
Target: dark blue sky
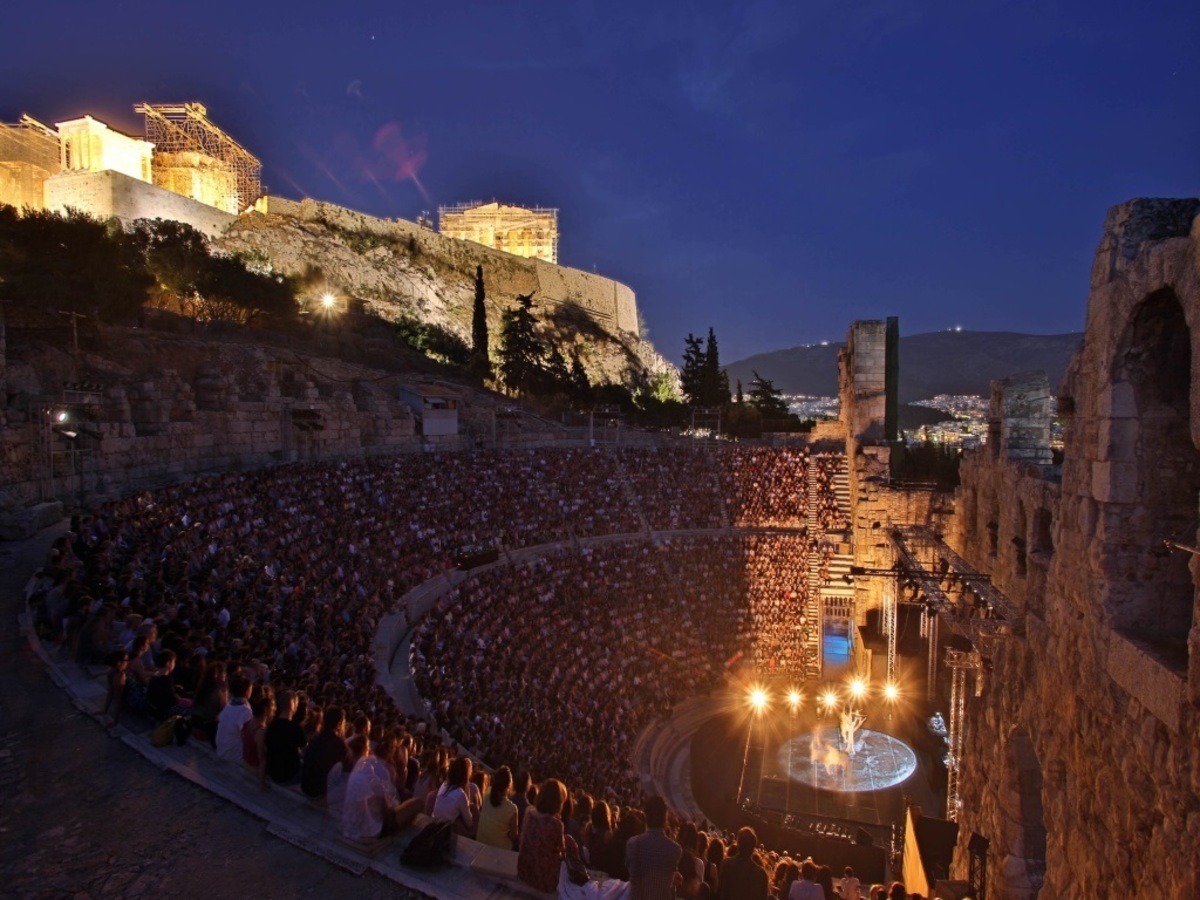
772, 169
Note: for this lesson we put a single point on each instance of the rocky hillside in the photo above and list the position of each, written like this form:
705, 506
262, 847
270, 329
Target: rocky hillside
432, 279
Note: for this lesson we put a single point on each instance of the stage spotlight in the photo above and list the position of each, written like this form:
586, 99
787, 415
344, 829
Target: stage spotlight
891, 693
793, 700
758, 699
829, 699
327, 301
858, 688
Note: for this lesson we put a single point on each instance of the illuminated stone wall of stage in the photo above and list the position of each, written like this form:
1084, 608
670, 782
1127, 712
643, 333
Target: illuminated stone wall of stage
1083, 754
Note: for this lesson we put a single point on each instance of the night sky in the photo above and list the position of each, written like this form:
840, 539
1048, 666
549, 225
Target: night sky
772, 169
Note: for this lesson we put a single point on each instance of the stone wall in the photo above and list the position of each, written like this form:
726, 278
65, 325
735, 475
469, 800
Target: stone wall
105, 194
1082, 759
612, 304
161, 407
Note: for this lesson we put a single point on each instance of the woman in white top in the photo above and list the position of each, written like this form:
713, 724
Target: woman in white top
452, 804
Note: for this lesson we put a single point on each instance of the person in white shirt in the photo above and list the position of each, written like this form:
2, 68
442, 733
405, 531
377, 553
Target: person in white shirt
236, 713
850, 888
452, 804
372, 808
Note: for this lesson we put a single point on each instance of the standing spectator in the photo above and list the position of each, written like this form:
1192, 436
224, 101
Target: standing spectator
542, 841
653, 858
742, 878
284, 741
851, 886
806, 888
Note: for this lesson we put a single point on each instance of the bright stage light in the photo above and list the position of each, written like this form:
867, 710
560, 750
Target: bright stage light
793, 699
829, 699
758, 699
858, 688
327, 301
891, 693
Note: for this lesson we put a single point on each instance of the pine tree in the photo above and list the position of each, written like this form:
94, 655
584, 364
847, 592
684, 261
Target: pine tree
767, 398
740, 398
481, 363
520, 349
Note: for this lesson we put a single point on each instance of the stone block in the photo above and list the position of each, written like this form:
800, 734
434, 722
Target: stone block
1114, 482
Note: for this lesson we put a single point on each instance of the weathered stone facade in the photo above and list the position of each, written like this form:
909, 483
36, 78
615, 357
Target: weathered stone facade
160, 407
1082, 759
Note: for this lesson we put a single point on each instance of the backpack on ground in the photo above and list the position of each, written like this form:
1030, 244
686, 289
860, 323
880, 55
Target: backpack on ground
431, 847
164, 732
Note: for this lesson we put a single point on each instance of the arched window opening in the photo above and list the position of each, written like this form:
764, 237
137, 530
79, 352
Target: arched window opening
1157, 364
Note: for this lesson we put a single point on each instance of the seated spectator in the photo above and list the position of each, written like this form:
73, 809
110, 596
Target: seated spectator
498, 816
452, 803
372, 808
601, 849
325, 751
284, 741
254, 734
162, 697
117, 677
229, 723
543, 844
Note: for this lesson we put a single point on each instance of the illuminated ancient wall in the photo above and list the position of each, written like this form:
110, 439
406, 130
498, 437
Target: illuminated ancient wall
1082, 755
89, 145
609, 303
532, 233
106, 194
198, 176
22, 185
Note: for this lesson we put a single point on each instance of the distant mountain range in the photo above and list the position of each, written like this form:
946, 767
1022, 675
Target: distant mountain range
941, 362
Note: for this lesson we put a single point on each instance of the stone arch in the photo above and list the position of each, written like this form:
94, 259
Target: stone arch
1150, 441
1023, 869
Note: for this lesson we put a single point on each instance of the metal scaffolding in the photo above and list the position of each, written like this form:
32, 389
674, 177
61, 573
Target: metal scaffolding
185, 128
29, 141
959, 663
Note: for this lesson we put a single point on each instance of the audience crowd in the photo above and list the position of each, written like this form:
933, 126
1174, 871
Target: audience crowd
249, 602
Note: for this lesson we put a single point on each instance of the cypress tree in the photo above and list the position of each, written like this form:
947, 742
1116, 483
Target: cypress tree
481, 363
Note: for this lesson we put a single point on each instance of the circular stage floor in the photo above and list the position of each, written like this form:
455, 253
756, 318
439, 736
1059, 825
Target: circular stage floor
880, 761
